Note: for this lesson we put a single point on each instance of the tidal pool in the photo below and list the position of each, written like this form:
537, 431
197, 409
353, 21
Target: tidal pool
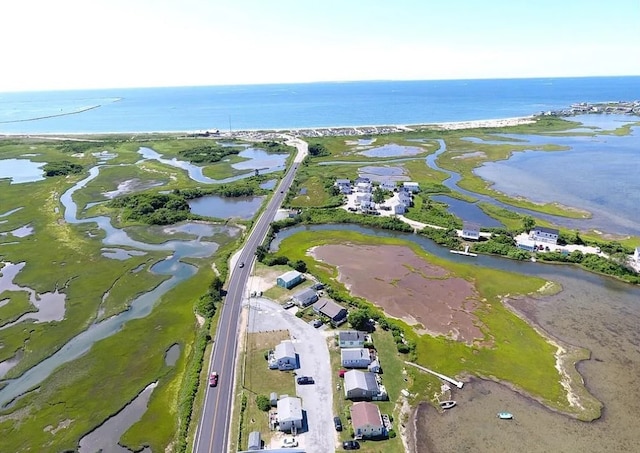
383, 173
172, 355
467, 211
259, 159
20, 171
393, 150
226, 207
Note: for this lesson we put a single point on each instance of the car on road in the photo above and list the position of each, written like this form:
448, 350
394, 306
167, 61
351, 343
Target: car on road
241, 264
289, 442
337, 423
305, 380
351, 445
288, 305
213, 379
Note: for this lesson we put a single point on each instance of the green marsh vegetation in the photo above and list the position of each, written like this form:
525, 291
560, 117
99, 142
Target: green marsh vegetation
512, 350
83, 393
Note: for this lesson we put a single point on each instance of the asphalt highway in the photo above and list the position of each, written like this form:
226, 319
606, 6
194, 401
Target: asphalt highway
214, 426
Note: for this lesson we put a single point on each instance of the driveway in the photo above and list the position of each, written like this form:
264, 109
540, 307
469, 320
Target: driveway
311, 346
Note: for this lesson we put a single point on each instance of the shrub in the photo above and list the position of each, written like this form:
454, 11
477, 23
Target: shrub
263, 403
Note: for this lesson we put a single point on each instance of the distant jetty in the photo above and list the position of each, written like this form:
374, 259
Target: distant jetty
583, 108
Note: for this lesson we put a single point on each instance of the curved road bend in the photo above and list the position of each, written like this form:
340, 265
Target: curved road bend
214, 426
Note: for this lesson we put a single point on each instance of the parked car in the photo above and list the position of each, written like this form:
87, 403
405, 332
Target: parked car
341, 373
289, 442
288, 305
304, 380
351, 445
317, 323
337, 423
213, 379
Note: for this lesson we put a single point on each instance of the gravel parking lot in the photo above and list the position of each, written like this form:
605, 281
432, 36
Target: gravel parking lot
311, 347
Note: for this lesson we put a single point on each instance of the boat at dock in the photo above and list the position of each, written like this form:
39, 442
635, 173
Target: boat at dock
505, 415
447, 404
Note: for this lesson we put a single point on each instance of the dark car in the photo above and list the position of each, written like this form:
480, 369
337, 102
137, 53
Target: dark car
337, 423
351, 445
304, 380
241, 264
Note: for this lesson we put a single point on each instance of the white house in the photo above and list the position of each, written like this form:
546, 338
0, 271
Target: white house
363, 197
289, 414
399, 208
404, 197
543, 234
411, 186
470, 230
351, 339
305, 297
363, 187
636, 255
284, 357
366, 420
355, 357
388, 185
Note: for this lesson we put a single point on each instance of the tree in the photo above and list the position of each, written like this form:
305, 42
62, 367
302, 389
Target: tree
378, 195
263, 403
528, 223
359, 319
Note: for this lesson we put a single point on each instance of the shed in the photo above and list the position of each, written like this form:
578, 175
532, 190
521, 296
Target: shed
470, 230
273, 399
289, 279
305, 297
255, 441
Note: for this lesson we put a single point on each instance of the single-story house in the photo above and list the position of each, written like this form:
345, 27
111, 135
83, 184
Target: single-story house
351, 339
470, 230
255, 441
289, 413
344, 185
305, 297
289, 279
544, 234
284, 357
337, 314
355, 357
360, 385
411, 186
399, 208
366, 420
388, 185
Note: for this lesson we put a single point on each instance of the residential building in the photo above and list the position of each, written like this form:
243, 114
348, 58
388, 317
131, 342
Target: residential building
351, 339
360, 179
337, 314
289, 414
360, 385
355, 357
636, 255
289, 279
388, 185
399, 209
404, 197
411, 186
363, 187
544, 234
375, 367
305, 297
344, 185
284, 357
470, 230
366, 420
364, 197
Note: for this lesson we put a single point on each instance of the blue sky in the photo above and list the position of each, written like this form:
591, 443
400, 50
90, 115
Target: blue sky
73, 44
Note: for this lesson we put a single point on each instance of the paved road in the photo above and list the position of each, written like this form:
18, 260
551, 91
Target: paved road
214, 427
311, 346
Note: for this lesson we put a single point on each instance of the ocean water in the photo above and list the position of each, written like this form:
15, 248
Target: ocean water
283, 106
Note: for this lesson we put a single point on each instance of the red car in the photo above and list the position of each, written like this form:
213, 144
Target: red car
213, 379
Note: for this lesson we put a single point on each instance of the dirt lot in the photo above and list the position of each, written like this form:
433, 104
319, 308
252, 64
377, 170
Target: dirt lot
407, 287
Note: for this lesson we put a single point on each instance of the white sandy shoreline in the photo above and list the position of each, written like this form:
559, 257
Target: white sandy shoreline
321, 130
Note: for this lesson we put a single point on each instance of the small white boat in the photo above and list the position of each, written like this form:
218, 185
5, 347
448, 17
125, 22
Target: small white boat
505, 415
447, 404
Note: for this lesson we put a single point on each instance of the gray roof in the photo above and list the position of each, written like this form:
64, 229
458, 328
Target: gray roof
351, 335
355, 354
305, 295
546, 230
289, 409
285, 349
289, 276
470, 226
356, 379
328, 307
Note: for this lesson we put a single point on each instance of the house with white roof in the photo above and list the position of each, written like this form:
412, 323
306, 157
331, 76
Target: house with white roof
289, 414
388, 185
284, 357
411, 186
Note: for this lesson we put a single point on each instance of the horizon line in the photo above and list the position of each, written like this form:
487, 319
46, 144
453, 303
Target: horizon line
198, 85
